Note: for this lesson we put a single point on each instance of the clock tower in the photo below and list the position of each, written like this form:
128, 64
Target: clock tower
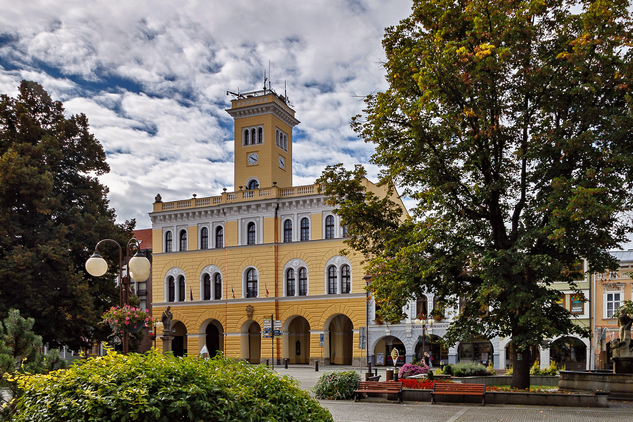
263, 123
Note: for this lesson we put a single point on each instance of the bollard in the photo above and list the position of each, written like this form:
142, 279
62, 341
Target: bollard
316, 366
395, 376
286, 363
267, 363
369, 365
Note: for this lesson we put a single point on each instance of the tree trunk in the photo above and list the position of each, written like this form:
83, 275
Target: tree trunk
521, 368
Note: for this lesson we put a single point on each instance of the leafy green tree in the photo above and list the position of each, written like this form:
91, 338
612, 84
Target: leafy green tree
53, 210
509, 124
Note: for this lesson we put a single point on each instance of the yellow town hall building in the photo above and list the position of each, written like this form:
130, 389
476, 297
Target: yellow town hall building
224, 263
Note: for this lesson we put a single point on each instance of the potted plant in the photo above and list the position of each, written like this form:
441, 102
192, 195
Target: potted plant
437, 314
127, 318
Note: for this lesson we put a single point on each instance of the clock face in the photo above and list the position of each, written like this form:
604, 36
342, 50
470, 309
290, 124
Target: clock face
282, 162
252, 158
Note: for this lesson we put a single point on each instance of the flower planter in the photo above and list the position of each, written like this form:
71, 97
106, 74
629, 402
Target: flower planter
134, 328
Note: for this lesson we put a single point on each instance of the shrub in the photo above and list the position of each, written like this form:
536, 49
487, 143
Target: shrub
430, 376
157, 387
413, 369
448, 370
336, 385
470, 370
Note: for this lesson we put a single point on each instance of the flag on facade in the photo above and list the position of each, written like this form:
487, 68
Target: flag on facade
232, 291
266, 286
191, 294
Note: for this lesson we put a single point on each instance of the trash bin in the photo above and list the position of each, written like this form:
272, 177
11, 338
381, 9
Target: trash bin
389, 375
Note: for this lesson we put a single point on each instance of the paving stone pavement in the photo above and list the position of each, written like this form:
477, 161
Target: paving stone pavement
380, 410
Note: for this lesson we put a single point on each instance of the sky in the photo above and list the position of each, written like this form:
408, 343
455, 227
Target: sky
152, 78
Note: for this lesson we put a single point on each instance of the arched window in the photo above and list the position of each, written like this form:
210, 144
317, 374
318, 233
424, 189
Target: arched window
251, 283
303, 281
219, 237
331, 279
181, 289
421, 307
183, 240
305, 229
246, 137
204, 238
207, 287
290, 282
253, 136
287, 231
260, 135
253, 184
345, 279
168, 239
171, 289
250, 232
217, 287
329, 227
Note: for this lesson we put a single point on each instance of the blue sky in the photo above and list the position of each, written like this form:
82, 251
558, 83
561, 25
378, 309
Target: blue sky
152, 78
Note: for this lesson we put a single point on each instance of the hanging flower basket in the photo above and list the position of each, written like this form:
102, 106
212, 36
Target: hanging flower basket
127, 318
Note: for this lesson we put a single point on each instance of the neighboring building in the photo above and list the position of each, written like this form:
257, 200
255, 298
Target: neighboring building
225, 263
611, 290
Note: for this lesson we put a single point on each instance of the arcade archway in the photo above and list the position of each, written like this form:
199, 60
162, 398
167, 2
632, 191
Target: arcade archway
341, 336
179, 343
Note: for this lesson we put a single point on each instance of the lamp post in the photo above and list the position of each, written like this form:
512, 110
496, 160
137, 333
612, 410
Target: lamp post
138, 268
423, 323
367, 279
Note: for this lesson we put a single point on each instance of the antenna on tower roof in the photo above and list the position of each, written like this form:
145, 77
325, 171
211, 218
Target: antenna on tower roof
265, 79
269, 81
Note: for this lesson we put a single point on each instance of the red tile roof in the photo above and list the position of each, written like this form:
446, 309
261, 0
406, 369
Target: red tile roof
145, 237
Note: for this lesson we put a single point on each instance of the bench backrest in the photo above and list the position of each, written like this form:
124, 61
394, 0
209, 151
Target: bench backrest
380, 385
440, 387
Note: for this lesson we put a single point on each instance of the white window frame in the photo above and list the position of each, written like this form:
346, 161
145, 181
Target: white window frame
606, 301
174, 272
338, 262
211, 270
295, 264
245, 282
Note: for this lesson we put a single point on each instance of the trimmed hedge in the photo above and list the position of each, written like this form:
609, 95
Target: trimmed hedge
157, 387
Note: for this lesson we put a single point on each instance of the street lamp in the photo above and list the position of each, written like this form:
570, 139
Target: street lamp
138, 268
423, 323
367, 279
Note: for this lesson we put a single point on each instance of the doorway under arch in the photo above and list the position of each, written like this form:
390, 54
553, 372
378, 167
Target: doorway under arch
479, 350
179, 343
433, 346
297, 342
383, 349
254, 343
341, 336
570, 352
214, 338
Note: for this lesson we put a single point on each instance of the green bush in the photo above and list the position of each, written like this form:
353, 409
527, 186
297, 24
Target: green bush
157, 387
430, 376
536, 370
337, 385
448, 370
470, 370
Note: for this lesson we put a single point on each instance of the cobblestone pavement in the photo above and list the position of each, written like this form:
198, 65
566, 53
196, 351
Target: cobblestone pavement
379, 410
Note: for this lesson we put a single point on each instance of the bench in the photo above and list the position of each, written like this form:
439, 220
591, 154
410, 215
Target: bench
378, 387
453, 389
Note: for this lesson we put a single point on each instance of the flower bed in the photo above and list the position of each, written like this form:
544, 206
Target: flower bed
127, 318
417, 384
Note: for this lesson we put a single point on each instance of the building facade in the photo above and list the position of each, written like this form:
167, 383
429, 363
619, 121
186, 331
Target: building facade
226, 263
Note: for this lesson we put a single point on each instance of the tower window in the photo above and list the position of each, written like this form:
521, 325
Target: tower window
305, 229
253, 184
253, 135
260, 135
281, 140
287, 231
246, 135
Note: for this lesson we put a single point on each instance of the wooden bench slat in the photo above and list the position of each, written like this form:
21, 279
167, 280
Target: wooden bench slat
379, 387
450, 389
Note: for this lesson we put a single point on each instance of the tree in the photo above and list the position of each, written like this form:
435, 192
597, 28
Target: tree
53, 211
509, 124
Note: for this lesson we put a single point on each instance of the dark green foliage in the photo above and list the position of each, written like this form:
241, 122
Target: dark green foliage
157, 387
53, 211
20, 354
430, 376
337, 385
448, 370
511, 126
